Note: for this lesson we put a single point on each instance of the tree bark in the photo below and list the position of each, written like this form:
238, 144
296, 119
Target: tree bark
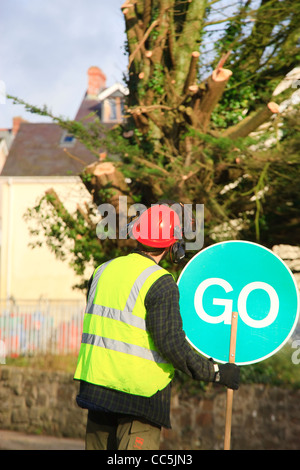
187, 40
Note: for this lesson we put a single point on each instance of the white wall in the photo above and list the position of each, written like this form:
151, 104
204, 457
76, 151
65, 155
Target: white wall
27, 273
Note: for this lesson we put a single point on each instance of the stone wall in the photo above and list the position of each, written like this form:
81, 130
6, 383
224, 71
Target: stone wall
263, 417
43, 402
266, 418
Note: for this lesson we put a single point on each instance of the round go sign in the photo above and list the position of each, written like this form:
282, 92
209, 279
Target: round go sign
243, 277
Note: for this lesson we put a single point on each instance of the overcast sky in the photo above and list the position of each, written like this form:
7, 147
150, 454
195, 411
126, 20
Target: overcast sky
47, 47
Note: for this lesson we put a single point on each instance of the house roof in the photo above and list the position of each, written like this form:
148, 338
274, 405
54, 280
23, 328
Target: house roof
88, 106
38, 148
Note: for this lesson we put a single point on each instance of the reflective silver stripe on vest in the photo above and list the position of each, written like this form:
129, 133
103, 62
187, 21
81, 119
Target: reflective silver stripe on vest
135, 290
119, 315
120, 346
126, 314
94, 285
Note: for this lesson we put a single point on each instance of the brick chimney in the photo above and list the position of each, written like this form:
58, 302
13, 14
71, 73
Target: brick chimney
17, 120
96, 81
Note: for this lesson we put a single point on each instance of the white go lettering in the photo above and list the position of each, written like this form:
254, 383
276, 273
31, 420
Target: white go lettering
225, 316
198, 301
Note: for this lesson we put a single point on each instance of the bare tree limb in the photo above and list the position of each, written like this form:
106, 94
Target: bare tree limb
146, 35
252, 122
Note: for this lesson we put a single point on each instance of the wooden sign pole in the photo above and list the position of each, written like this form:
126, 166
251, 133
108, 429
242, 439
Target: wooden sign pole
229, 398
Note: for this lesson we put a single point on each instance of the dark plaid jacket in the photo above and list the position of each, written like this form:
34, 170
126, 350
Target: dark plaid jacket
164, 323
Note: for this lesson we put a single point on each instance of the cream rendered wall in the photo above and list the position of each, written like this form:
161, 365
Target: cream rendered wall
28, 273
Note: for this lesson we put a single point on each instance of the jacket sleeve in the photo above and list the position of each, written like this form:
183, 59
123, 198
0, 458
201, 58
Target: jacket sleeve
164, 323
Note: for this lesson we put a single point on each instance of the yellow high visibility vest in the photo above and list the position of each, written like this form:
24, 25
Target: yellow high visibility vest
116, 349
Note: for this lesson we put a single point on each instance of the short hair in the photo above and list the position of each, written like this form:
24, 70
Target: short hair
150, 250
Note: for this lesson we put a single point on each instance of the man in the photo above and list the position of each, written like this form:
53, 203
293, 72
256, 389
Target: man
133, 340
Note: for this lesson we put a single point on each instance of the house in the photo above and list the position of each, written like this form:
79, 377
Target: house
40, 157
6, 139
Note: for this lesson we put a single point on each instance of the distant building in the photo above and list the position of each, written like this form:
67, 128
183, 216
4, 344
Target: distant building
38, 149
35, 157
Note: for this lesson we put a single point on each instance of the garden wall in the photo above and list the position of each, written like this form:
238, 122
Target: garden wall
264, 417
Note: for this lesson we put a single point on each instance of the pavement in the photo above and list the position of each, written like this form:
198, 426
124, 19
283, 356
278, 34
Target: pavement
11, 440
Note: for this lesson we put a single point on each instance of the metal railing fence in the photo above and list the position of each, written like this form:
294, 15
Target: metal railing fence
29, 328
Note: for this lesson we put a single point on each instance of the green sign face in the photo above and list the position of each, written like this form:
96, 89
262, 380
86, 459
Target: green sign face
243, 277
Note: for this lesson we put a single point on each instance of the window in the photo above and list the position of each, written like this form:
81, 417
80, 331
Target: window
122, 107
67, 140
113, 109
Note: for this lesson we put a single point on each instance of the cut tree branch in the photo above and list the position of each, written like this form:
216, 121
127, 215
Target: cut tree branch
146, 109
58, 206
191, 76
252, 122
99, 177
146, 35
222, 62
74, 157
216, 84
85, 216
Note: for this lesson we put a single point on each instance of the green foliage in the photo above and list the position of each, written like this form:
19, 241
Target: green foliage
277, 370
235, 103
156, 81
90, 134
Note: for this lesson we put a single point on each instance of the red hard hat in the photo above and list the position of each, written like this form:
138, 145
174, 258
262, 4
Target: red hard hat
158, 227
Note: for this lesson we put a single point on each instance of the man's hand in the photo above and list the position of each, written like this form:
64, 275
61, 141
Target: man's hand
229, 375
